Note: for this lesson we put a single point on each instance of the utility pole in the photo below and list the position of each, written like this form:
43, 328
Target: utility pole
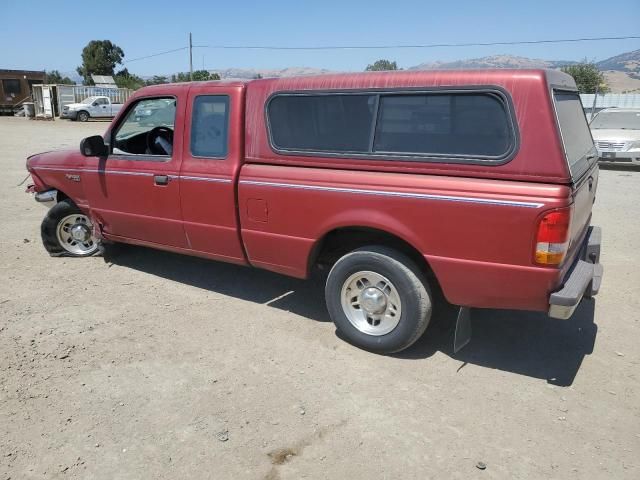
190, 59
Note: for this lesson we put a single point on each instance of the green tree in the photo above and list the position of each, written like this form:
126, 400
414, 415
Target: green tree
587, 77
382, 64
99, 57
157, 80
124, 79
55, 77
198, 76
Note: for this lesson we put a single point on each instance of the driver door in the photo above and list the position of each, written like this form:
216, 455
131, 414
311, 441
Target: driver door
134, 193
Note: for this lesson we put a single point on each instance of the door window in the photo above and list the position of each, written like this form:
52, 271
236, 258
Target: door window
209, 126
147, 128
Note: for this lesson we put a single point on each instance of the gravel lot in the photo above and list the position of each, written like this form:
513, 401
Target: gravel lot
153, 365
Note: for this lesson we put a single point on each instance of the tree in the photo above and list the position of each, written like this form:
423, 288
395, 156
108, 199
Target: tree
382, 64
124, 79
99, 57
587, 76
157, 80
198, 76
55, 77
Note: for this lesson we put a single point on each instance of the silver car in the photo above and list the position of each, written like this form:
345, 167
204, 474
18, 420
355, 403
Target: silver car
616, 133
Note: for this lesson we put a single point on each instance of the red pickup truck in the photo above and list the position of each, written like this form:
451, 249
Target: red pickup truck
479, 183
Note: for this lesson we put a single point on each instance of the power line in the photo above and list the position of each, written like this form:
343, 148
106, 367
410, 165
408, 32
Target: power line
429, 45
433, 45
155, 55
381, 47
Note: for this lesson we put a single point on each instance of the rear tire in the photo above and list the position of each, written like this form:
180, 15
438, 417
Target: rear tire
66, 231
83, 116
378, 299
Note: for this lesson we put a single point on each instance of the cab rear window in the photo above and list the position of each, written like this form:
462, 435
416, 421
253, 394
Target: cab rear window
576, 137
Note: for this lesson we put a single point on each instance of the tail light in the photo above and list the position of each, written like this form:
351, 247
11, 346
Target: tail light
552, 240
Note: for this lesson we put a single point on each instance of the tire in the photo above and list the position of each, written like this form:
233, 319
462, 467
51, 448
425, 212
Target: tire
386, 277
83, 116
58, 225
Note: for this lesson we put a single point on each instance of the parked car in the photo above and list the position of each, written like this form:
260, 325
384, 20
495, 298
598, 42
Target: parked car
478, 184
616, 133
91, 107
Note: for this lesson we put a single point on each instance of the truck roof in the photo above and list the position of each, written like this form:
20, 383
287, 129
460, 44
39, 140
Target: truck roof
417, 78
386, 79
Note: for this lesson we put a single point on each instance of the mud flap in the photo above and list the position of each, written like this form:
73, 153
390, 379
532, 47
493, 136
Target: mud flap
463, 329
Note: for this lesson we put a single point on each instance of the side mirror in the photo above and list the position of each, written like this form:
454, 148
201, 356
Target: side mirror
93, 147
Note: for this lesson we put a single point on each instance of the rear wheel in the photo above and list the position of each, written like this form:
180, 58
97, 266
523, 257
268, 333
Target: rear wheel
83, 116
67, 231
378, 299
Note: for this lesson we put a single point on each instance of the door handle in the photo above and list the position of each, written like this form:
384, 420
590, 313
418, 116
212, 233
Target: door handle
161, 179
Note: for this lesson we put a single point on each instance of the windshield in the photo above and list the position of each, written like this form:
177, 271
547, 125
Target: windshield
88, 100
617, 120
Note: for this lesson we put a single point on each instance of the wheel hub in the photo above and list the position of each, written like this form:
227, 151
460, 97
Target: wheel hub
373, 300
371, 303
80, 232
75, 234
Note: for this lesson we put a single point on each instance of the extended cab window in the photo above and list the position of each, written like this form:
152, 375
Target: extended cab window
209, 126
576, 137
448, 125
147, 129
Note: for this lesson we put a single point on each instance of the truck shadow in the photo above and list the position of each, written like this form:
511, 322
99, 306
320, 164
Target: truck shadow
525, 343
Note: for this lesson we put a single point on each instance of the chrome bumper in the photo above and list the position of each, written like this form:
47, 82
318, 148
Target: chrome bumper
48, 198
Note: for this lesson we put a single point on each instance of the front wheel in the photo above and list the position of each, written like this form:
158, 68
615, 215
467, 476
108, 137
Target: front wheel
378, 299
83, 116
67, 231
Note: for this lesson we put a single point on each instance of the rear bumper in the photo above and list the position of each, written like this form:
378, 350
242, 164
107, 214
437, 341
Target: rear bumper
583, 279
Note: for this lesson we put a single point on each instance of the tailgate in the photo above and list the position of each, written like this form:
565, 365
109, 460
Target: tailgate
584, 195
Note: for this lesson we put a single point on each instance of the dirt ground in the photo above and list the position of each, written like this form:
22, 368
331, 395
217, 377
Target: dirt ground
153, 365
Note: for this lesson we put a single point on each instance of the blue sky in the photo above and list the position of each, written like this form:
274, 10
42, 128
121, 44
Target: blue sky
51, 35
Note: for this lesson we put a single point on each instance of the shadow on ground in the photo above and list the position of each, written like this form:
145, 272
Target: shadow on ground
525, 343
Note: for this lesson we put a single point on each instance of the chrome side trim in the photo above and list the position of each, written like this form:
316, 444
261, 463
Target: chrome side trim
206, 179
141, 174
424, 196
122, 172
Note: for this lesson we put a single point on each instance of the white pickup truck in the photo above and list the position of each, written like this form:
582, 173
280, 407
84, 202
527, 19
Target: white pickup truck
91, 107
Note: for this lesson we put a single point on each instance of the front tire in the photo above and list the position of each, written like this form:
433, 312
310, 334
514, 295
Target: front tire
66, 231
378, 299
83, 116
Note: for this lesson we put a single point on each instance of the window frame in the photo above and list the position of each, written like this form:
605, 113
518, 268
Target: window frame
575, 173
141, 157
191, 122
503, 96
